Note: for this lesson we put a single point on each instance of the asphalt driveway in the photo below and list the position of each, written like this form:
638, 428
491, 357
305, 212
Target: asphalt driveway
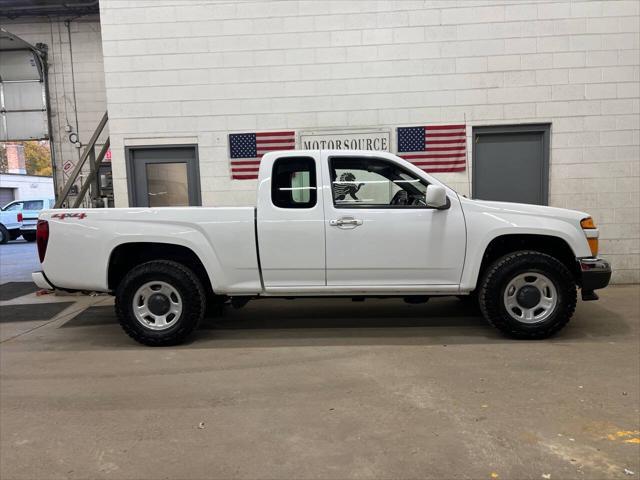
17, 260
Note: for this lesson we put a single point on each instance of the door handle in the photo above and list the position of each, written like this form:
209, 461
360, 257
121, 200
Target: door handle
345, 221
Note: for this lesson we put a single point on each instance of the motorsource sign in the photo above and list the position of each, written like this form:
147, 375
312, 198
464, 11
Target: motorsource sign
341, 140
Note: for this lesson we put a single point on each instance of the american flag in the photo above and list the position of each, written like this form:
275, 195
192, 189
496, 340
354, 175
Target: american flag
246, 150
436, 148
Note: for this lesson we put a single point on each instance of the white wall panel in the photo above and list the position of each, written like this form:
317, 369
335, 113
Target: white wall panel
338, 65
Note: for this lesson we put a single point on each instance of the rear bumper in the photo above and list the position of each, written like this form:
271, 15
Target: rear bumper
595, 273
29, 225
41, 280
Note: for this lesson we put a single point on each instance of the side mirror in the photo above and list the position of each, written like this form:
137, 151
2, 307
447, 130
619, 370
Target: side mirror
436, 196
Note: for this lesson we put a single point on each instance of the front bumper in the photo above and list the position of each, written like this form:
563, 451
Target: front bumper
41, 280
595, 273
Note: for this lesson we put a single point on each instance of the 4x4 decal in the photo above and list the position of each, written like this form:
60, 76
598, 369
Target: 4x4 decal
62, 216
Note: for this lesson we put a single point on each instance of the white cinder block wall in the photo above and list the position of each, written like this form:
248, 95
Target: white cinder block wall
87, 79
27, 186
193, 70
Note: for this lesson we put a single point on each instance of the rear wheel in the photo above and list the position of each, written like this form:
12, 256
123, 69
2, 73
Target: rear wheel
29, 237
528, 295
4, 234
160, 303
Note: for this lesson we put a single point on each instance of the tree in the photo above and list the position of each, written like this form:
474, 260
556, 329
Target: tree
3, 159
38, 158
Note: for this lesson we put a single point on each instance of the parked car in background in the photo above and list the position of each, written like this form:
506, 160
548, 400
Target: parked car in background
30, 210
10, 223
328, 223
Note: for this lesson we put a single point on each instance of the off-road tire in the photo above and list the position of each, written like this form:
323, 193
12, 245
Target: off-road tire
179, 277
499, 274
29, 237
4, 234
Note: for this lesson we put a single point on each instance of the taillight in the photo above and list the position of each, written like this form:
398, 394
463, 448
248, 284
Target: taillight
42, 238
20, 216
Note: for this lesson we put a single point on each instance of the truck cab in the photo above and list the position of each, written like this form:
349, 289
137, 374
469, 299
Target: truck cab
356, 222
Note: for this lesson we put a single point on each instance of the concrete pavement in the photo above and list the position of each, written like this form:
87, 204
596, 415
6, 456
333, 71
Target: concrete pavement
323, 389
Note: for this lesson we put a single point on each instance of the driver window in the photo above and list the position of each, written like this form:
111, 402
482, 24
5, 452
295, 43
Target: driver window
13, 206
374, 182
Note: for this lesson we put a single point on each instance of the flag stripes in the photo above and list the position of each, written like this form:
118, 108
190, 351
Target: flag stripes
246, 150
434, 148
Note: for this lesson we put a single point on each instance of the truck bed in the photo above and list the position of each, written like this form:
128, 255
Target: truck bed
81, 242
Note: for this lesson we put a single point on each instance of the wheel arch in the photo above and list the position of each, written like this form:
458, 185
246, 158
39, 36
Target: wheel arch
554, 246
128, 255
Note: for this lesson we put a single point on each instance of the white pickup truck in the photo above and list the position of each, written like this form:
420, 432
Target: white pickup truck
327, 223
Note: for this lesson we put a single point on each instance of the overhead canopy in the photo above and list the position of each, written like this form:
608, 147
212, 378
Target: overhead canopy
31, 8
23, 106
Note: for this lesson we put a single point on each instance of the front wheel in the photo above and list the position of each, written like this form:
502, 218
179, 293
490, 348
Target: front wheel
160, 303
528, 295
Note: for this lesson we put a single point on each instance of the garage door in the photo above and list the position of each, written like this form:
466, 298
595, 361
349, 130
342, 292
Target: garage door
511, 163
23, 108
6, 196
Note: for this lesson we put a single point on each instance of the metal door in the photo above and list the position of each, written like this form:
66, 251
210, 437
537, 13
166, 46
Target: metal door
163, 176
23, 96
290, 222
371, 241
6, 196
511, 163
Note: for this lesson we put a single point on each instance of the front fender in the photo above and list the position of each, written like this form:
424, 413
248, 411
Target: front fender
485, 226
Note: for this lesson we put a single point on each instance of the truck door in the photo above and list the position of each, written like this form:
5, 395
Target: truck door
379, 230
290, 222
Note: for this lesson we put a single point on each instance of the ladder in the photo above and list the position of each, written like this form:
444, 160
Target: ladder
95, 161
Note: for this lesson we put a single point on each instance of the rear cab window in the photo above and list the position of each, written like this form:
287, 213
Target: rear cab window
33, 205
293, 182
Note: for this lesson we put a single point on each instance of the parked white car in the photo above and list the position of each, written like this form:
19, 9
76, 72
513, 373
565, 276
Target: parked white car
327, 223
10, 224
30, 209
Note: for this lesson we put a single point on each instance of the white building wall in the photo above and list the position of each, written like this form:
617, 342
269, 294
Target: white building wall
185, 70
26, 187
87, 79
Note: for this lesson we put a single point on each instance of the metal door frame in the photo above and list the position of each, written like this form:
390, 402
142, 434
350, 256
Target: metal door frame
544, 128
193, 171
